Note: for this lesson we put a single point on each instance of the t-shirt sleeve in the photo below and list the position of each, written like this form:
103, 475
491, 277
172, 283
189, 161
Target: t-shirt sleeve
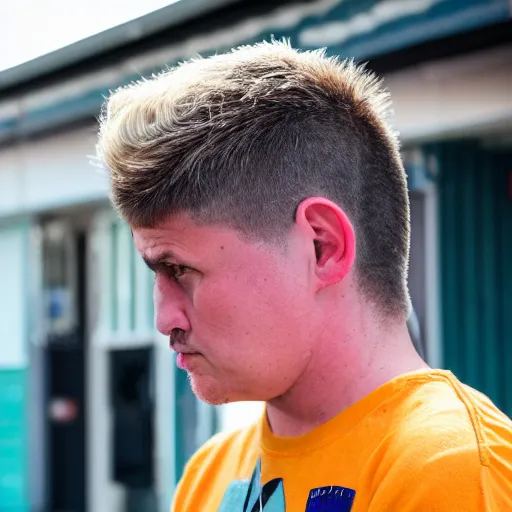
211, 469
194, 475
189, 480
497, 474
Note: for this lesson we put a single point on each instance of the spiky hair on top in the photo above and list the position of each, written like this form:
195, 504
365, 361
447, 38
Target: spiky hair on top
242, 137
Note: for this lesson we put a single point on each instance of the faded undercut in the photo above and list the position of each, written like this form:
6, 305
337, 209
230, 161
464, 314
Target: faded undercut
243, 137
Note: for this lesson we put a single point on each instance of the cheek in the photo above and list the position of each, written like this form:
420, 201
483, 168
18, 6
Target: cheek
220, 305
249, 314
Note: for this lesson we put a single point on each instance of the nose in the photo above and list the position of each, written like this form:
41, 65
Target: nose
169, 301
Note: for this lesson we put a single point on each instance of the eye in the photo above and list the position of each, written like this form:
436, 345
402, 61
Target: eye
176, 271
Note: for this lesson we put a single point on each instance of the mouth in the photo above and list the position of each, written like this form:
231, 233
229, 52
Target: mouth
185, 354
184, 360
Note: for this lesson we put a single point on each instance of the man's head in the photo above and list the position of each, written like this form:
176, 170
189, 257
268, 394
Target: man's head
273, 174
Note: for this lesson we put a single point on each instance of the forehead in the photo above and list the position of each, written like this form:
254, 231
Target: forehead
184, 241
182, 236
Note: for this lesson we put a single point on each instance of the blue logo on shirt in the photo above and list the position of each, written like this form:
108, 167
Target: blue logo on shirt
330, 499
250, 496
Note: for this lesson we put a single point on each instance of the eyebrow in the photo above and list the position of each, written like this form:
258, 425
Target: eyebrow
162, 259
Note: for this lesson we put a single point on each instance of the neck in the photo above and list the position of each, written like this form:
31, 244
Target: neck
343, 369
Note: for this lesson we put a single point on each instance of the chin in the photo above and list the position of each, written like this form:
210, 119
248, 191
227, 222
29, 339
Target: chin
209, 391
213, 392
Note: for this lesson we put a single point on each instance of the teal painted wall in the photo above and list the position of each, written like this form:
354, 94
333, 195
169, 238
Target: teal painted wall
475, 221
13, 441
14, 323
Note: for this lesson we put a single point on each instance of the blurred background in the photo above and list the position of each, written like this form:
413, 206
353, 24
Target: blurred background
94, 415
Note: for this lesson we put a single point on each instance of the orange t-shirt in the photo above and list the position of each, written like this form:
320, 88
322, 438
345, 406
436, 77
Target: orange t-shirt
422, 442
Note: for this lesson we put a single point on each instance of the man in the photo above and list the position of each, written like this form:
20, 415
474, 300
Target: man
265, 190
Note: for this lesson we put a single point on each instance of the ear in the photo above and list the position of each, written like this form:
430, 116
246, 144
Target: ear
332, 238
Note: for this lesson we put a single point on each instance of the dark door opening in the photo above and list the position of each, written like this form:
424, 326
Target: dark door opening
64, 277
132, 428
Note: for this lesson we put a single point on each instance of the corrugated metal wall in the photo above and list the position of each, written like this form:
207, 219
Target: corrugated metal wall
475, 208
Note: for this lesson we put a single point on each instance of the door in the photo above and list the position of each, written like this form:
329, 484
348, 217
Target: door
64, 283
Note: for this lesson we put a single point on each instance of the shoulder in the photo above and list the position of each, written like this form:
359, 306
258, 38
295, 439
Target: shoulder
221, 446
433, 427
224, 457
449, 447
444, 416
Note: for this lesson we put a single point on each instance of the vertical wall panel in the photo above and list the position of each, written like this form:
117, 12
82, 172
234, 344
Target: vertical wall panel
489, 352
475, 218
504, 235
448, 260
13, 296
466, 258
123, 266
124, 285
143, 292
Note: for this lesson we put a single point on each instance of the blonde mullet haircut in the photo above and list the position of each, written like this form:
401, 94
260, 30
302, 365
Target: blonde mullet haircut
242, 138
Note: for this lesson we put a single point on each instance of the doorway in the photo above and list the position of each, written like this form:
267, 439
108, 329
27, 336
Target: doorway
64, 250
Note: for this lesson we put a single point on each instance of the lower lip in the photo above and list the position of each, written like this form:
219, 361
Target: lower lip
184, 361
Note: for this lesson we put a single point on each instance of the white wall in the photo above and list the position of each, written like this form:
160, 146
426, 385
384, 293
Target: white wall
469, 94
13, 295
238, 415
50, 172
